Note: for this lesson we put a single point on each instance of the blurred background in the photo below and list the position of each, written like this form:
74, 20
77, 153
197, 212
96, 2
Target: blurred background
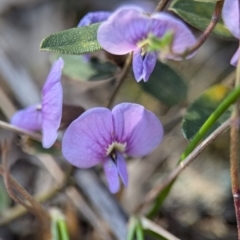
200, 204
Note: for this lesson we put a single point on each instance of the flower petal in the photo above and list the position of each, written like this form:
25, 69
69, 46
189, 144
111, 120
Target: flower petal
86, 140
111, 173
143, 65
122, 168
94, 17
138, 127
29, 118
183, 37
123, 30
52, 98
235, 57
230, 15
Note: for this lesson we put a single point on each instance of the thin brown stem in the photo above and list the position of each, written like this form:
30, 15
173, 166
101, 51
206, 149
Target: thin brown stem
234, 153
120, 80
20, 131
161, 5
11, 185
201, 40
152, 194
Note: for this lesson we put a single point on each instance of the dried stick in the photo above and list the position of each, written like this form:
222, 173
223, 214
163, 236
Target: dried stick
190, 158
120, 79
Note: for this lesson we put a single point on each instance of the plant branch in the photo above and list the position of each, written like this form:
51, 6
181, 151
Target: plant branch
20, 131
234, 153
201, 40
161, 5
120, 79
190, 158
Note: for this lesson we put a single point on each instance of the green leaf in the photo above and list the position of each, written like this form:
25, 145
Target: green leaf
73, 41
165, 85
75, 67
202, 108
199, 14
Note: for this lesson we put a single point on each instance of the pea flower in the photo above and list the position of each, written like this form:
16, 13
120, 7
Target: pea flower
128, 29
230, 15
47, 115
94, 17
103, 136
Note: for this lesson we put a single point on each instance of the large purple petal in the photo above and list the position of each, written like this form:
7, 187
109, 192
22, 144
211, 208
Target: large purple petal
111, 173
183, 37
29, 118
143, 65
86, 140
94, 17
122, 168
52, 100
235, 57
124, 29
230, 15
138, 127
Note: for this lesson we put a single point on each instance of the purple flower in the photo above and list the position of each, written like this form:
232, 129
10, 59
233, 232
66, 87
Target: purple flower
230, 15
47, 115
127, 30
103, 136
94, 17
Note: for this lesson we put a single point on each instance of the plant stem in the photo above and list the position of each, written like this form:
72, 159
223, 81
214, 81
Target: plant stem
215, 18
161, 5
120, 79
190, 158
234, 153
224, 105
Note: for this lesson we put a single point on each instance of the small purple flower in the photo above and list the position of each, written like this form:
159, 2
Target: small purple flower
230, 15
94, 17
103, 136
127, 30
47, 115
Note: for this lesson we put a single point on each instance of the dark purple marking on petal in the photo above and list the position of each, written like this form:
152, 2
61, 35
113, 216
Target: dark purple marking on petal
122, 168
29, 118
111, 172
52, 101
86, 140
94, 17
138, 127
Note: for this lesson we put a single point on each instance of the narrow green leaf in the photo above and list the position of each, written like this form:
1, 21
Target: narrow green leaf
73, 41
166, 85
4, 197
199, 15
75, 67
131, 228
199, 111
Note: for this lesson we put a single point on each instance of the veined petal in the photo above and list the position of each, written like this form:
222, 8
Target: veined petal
138, 127
86, 140
29, 118
122, 168
143, 65
123, 30
94, 17
111, 173
234, 60
52, 100
230, 15
183, 37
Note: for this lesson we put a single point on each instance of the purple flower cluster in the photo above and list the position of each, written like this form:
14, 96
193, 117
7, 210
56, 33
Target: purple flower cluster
127, 30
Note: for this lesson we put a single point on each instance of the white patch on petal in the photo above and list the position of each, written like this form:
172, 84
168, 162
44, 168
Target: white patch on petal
119, 147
